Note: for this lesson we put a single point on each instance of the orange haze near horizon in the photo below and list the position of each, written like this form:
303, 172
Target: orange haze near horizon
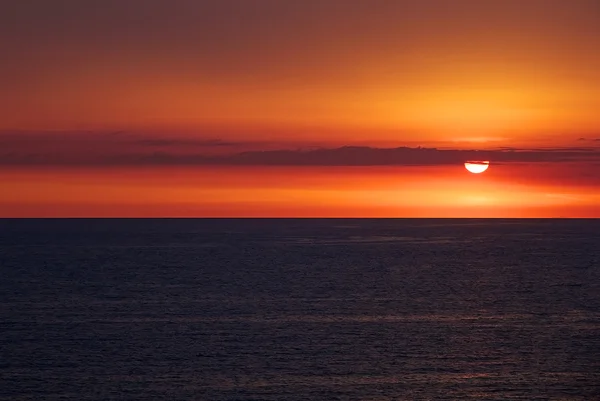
446, 191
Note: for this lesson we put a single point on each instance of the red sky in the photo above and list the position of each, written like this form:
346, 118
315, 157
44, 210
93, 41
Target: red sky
123, 107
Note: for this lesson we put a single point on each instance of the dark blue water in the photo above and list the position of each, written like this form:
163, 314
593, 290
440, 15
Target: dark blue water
299, 309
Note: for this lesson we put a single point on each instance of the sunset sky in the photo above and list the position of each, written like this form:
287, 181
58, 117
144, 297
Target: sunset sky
264, 108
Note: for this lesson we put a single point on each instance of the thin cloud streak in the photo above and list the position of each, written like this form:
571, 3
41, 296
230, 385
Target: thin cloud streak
344, 156
137, 149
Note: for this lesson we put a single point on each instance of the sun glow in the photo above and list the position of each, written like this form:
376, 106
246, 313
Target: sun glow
477, 167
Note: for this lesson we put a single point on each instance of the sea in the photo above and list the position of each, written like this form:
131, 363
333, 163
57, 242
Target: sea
299, 309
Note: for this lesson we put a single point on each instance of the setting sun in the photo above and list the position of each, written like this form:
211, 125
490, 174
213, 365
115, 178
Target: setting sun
477, 167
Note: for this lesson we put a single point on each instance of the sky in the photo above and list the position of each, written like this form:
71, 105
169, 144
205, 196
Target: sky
345, 108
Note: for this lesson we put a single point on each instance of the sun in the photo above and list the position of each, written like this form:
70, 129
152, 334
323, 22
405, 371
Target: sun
477, 167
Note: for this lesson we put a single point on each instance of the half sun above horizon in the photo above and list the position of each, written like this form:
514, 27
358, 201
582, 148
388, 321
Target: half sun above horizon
477, 167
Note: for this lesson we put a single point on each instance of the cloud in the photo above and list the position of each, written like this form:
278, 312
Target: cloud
589, 139
342, 156
552, 149
68, 147
367, 156
126, 148
67, 138
188, 142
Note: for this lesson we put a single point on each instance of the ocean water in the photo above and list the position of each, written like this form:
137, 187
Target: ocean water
300, 309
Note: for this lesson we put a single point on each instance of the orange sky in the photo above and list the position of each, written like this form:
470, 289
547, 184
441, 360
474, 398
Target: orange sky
101, 103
